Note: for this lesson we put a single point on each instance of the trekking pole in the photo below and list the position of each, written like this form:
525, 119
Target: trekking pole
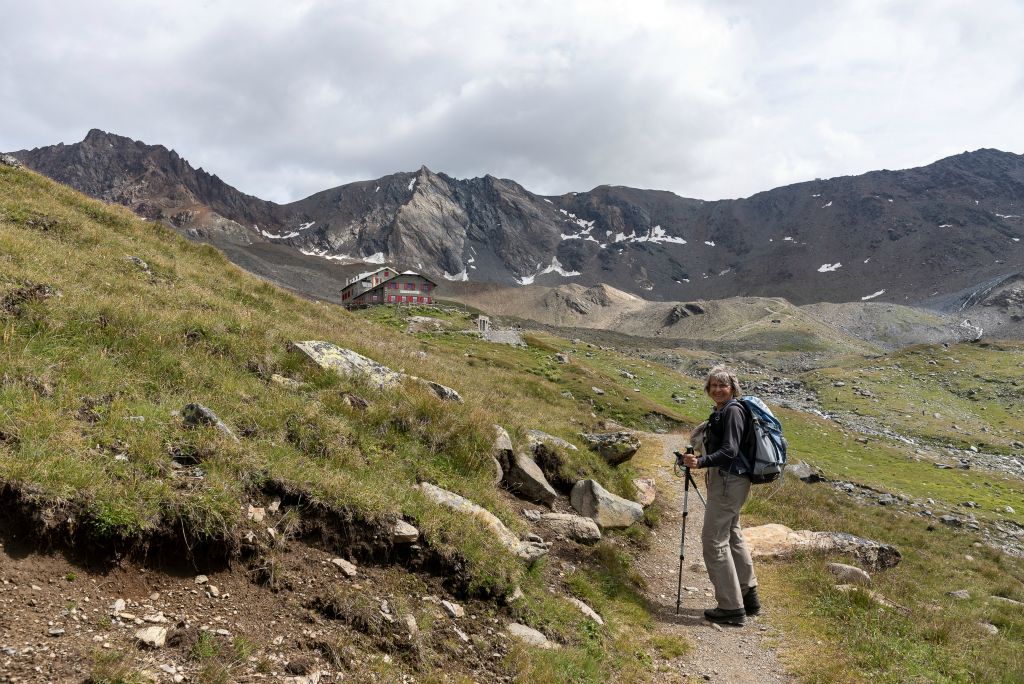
687, 479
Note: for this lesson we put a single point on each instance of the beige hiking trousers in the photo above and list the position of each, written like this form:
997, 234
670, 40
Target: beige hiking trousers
725, 553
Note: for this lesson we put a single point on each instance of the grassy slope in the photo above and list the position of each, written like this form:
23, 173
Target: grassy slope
197, 329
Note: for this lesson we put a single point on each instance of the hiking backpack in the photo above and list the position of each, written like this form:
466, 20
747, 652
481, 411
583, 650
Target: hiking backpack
766, 447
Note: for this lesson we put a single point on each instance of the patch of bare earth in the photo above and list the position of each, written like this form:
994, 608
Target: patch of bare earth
736, 655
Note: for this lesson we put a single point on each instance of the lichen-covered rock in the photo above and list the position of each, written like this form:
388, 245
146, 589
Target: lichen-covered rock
527, 550
525, 479
348, 363
778, 541
548, 453
608, 510
614, 447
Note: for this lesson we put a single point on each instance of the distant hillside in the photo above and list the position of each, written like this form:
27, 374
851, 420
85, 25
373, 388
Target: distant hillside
912, 236
736, 322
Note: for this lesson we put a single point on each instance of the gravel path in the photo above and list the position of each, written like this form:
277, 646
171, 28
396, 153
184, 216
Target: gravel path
720, 654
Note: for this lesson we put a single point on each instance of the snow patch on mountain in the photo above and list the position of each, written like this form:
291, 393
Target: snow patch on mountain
829, 268
555, 267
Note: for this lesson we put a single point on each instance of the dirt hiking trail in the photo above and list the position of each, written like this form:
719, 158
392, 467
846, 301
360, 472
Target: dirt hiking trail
724, 654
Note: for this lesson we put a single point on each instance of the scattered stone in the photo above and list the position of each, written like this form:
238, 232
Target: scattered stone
614, 447
154, 618
201, 579
525, 479
117, 606
348, 569
586, 610
1006, 601
849, 574
988, 628
778, 541
1009, 509
142, 265
453, 609
574, 527
951, 520
404, 533
152, 637
255, 513
608, 510
874, 596
646, 491
354, 402
804, 472
275, 505
197, 414
528, 551
442, 391
55, 631
286, 382
597, 390
562, 358
212, 591
9, 160
961, 594
886, 500
529, 636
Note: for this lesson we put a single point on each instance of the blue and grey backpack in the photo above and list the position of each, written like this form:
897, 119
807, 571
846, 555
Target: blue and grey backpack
766, 447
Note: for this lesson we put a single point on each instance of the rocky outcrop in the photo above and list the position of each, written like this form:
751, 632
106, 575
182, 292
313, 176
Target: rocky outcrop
574, 527
778, 541
525, 479
613, 447
348, 363
606, 509
527, 550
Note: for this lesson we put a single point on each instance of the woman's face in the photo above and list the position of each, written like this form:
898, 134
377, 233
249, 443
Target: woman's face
720, 392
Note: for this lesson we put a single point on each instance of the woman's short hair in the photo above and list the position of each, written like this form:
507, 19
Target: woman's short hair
725, 375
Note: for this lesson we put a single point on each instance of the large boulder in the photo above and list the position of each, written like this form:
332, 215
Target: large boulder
608, 510
527, 550
778, 541
348, 363
529, 636
614, 447
574, 527
525, 479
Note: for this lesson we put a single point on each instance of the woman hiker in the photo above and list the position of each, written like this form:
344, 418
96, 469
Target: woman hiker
725, 553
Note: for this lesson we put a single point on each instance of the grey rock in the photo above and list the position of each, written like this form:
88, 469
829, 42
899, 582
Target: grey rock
849, 574
562, 358
442, 391
586, 610
961, 594
1006, 601
988, 628
529, 636
348, 363
646, 491
348, 569
574, 527
354, 401
886, 500
804, 472
528, 551
502, 450
404, 533
614, 447
525, 479
608, 510
951, 520
453, 609
152, 637
778, 541
548, 452
197, 414
286, 382
597, 390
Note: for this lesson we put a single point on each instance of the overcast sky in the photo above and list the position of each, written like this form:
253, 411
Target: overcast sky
707, 99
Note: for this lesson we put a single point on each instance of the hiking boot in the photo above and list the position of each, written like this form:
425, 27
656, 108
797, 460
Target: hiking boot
751, 603
725, 617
